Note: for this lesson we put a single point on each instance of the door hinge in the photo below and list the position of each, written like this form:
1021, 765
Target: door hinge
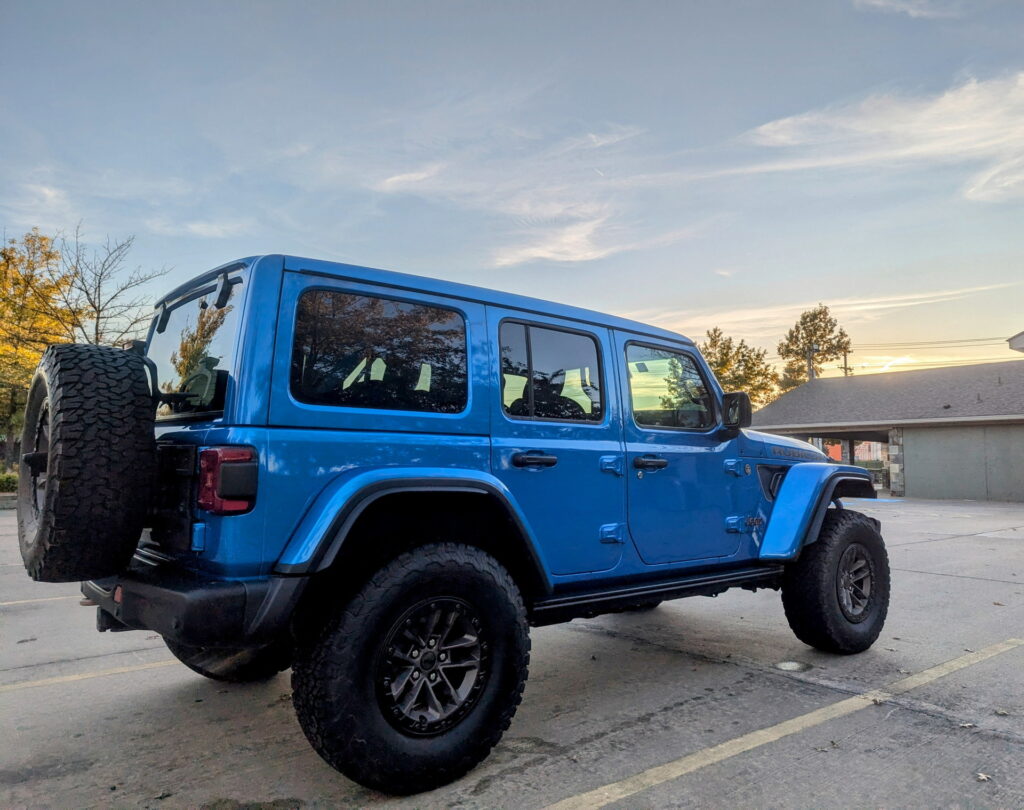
743, 524
612, 464
737, 467
612, 533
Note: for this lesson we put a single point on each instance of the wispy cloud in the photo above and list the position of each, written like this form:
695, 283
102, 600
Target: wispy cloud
40, 204
548, 191
976, 122
207, 229
770, 322
409, 180
913, 8
585, 241
552, 191
569, 243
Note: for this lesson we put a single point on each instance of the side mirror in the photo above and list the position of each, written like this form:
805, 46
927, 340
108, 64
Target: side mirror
737, 412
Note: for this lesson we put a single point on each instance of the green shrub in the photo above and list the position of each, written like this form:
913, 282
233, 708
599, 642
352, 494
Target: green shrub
8, 482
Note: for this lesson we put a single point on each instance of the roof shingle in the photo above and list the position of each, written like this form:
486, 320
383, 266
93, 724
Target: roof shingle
983, 390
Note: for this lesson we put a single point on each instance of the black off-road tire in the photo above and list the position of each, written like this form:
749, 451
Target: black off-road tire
234, 666
811, 587
342, 693
88, 463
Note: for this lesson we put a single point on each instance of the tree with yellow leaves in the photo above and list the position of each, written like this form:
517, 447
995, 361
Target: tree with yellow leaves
32, 288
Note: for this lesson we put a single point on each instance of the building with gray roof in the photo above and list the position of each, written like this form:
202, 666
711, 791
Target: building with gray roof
954, 432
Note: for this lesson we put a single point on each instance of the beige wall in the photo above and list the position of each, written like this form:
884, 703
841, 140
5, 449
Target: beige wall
980, 463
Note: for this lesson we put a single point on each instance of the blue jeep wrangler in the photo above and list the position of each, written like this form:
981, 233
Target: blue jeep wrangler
382, 481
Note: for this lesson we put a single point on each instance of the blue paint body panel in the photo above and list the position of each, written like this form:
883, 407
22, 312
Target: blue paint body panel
589, 518
797, 505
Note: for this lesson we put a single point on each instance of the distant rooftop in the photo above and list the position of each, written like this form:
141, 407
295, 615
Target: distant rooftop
986, 392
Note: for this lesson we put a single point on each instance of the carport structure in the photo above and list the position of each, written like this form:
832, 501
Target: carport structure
953, 432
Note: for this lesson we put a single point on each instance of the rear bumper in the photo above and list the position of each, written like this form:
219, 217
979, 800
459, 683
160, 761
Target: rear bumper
194, 610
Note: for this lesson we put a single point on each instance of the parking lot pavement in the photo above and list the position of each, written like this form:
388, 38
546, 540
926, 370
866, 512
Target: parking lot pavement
680, 707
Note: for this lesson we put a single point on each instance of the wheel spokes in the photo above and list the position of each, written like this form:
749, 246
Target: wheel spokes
854, 580
430, 669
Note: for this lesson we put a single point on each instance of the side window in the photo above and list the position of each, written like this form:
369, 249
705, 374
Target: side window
362, 351
667, 389
549, 374
194, 353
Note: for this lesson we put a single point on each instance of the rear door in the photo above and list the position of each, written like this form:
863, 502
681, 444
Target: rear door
556, 439
681, 492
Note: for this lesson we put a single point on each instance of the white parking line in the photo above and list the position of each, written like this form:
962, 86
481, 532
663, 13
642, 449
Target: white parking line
40, 599
615, 791
84, 676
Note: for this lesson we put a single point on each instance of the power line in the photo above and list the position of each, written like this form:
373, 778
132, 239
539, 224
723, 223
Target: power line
965, 362
971, 343
992, 340
927, 346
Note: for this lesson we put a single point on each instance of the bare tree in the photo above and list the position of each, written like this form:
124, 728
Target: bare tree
103, 302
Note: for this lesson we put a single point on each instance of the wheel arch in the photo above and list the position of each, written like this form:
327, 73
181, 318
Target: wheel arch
363, 522
802, 502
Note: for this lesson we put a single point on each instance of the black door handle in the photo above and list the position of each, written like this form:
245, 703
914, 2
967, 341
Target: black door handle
533, 460
650, 463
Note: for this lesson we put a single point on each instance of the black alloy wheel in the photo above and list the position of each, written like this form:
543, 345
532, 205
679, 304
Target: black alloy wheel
413, 679
854, 582
432, 666
37, 462
836, 593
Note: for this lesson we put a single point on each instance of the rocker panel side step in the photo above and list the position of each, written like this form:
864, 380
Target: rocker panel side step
562, 608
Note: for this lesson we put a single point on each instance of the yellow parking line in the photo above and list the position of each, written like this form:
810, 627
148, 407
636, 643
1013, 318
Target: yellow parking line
84, 676
40, 599
659, 774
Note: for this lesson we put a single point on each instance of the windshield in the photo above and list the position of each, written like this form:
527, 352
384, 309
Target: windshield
194, 354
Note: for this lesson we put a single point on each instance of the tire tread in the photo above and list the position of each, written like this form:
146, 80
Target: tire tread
319, 670
808, 589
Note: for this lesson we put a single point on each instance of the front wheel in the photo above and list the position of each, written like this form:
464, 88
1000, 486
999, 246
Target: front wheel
413, 682
836, 596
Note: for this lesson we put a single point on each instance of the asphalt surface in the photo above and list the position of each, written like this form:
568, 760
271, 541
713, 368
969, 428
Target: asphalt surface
684, 706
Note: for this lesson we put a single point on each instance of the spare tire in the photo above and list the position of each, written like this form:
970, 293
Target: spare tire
88, 463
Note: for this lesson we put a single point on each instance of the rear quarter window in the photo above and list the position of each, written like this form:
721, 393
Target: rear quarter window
362, 351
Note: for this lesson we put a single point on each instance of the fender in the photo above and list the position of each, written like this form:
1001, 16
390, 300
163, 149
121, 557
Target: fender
319, 536
805, 495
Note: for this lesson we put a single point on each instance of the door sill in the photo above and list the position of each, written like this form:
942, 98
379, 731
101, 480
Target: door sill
581, 604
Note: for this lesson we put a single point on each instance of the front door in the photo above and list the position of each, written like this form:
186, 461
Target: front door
556, 439
680, 490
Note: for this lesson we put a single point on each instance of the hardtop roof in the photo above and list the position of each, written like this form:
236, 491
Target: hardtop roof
435, 286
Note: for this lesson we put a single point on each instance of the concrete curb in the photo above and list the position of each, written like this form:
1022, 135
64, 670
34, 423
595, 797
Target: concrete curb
8, 500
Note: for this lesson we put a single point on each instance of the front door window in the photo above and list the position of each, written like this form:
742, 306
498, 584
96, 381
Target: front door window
667, 390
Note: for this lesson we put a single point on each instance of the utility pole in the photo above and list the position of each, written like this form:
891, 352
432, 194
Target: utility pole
846, 365
810, 360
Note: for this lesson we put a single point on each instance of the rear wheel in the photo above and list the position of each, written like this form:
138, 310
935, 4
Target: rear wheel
414, 681
236, 666
836, 596
88, 463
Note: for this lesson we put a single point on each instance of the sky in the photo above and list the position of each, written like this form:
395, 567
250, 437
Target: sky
686, 164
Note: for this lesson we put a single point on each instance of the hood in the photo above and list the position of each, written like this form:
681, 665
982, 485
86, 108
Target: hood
783, 448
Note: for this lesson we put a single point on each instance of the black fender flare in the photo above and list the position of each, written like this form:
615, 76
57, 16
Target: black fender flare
839, 486
355, 506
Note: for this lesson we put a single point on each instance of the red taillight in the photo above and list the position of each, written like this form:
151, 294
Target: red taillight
227, 480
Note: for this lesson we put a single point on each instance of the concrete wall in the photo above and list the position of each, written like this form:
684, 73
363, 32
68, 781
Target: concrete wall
980, 463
